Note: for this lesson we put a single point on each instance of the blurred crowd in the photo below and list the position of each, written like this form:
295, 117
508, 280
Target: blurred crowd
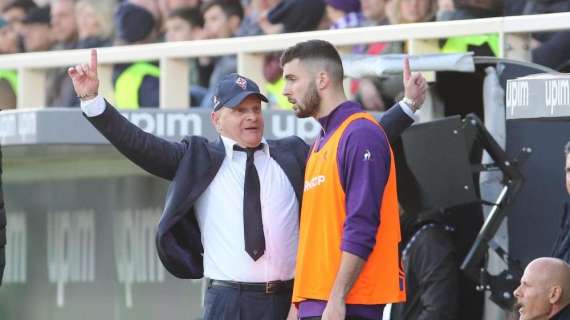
26, 26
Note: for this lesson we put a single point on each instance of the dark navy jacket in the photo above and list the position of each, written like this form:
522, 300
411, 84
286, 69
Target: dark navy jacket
191, 165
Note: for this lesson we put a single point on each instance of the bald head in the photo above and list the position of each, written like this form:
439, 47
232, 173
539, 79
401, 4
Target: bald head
544, 289
552, 272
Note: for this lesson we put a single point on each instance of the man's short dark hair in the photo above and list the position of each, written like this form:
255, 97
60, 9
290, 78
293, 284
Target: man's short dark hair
316, 51
229, 7
192, 15
25, 5
567, 149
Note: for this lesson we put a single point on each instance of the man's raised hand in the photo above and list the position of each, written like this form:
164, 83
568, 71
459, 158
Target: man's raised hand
415, 85
85, 79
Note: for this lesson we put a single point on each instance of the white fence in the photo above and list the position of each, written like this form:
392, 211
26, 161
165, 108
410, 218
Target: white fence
174, 67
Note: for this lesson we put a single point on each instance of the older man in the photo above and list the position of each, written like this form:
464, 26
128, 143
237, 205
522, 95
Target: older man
544, 292
232, 209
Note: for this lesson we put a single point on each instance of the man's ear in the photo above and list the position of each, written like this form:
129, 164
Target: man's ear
322, 80
555, 294
215, 118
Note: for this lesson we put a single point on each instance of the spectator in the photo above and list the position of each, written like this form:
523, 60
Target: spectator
92, 26
60, 91
375, 12
548, 48
36, 30
168, 6
186, 24
544, 292
481, 45
344, 14
222, 19
64, 23
16, 11
10, 42
136, 84
255, 15
412, 11
296, 15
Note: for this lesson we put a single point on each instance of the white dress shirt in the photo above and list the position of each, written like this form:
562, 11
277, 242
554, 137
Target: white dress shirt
219, 211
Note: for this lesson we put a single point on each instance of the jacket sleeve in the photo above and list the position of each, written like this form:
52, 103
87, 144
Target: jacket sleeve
157, 156
436, 268
395, 121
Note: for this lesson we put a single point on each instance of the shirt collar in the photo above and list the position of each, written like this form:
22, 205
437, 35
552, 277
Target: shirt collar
229, 146
334, 119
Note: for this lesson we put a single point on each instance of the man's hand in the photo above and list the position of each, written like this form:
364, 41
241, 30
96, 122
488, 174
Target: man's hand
415, 86
335, 310
85, 79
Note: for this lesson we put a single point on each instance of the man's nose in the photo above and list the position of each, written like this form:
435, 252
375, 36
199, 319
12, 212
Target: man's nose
517, 292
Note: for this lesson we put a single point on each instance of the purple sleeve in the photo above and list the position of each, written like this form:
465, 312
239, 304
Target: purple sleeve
364, 165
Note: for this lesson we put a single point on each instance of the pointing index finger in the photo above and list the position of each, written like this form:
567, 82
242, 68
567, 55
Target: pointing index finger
407, 72
93, 65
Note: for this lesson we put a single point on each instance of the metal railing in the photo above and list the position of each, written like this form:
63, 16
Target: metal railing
173, 56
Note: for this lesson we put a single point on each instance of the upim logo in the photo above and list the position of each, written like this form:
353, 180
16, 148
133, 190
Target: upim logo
70, 249
135, 250
315, 182
557, 93
16, 248
517, 94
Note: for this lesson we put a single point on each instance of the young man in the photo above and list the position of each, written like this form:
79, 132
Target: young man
544, 292
246, 244
222, 19
347, 262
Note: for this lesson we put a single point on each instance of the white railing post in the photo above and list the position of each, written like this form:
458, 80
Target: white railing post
32, 88
174, 83
251, 66
106, 89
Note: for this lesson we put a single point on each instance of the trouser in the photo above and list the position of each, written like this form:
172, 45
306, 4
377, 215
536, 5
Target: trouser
237, 303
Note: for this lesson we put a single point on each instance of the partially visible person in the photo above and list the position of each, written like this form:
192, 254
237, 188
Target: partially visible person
431, 265
36, 30
347, 261
412, 11
561, 248
480, 45
184, 24
136, 84
64, 23
16, 11
369, 94
187, 24
344, 14
295, 16
93, 26
222, 19
375, 12
544, 291
11, 42
64, 29
166, 7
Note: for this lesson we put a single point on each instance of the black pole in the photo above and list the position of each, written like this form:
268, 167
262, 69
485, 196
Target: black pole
2, 226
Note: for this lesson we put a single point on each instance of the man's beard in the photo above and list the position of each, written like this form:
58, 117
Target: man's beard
310, 103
